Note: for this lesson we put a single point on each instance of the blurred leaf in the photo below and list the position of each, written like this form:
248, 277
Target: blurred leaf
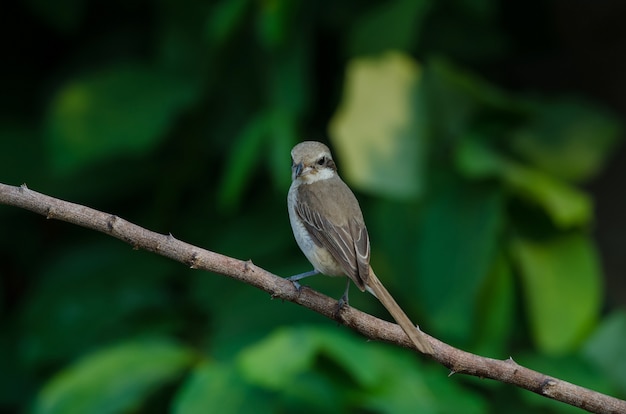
214, 387
562, 289
565, 204
381, 149
405, 386
289, 80
278, 360
392, 25
474, 159
386, 380
101, 290
289, 95
275, 362
567, 139
607, 348
573, 369
114, 379
451, 269
457, 100
124, 110
349, 352
180, 48
275, 19
285, 363
393, 241
496, 309
469, 31
283, 135
243, 161
156, 147
225, 18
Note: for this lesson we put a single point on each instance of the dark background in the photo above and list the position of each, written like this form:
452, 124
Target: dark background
179, 116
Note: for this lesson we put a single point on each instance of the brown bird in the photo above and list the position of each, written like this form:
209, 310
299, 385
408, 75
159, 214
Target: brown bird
328, 225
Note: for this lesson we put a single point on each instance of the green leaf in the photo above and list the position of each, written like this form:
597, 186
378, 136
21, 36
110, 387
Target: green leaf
564, 203
392, 25
224, 19
213, 387
113, 379
287, 353
475, 159
606, 348
457, 241
124, 294
242, 161
571, 368
121, 111
405, 386
496, 309
562, 289
289, 95
567, 138
295, 364
275, 362
285, 363
457, 100
283, 134
349, 353
288, 80
380, 146
474, 91
274, 22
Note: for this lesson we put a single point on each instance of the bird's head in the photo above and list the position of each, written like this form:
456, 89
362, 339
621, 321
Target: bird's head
311, 161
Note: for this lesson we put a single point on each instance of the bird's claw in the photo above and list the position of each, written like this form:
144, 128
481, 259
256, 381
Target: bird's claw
341, 303
297, 285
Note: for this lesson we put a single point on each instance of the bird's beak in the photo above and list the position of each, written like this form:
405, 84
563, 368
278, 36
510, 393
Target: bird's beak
297, 169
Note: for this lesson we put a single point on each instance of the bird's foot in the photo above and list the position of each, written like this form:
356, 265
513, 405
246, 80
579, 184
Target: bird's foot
296, 284
341, 304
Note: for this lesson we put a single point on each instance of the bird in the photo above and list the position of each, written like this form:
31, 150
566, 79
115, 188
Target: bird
329, 228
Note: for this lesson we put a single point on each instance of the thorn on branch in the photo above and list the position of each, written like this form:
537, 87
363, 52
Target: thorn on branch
111, 222
247, 265
193, 262
510, 360
451, 373
193, 256
547, 383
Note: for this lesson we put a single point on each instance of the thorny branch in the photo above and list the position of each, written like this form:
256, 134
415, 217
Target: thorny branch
458, 361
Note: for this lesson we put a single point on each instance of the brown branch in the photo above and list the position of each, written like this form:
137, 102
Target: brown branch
197, 258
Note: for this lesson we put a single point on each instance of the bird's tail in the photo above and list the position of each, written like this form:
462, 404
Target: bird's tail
375, 287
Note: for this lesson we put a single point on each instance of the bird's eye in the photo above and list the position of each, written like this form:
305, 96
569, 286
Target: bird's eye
321, 161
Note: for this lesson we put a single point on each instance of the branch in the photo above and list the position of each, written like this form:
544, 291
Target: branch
461, 362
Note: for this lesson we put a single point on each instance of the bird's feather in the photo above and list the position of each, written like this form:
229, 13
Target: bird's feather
345, 235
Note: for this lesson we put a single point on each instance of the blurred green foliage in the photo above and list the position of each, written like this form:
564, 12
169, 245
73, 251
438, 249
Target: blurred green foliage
180, 116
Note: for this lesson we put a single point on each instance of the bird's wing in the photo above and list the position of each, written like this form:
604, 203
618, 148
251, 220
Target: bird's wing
345, 235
